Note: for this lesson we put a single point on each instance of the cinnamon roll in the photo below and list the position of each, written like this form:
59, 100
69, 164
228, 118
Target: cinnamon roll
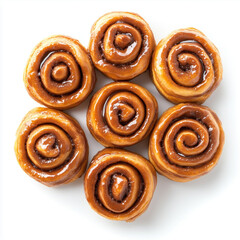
186, 66
59, 73
121, 45
186, 142
121, 114
51, 147
119, 184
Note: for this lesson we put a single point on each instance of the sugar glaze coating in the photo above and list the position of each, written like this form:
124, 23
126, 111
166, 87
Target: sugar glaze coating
51, 147
121, 114
186, 66
121, 45
59, 73
119, 184
186, 142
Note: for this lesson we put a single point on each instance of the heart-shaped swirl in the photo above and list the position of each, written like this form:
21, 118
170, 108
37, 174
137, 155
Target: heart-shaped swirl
186, 142
121, 114
51, 147
119, 185
59, 73
121, 45
186, 66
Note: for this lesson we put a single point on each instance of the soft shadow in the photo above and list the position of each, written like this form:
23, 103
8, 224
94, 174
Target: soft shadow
156, 213
145, 81
140, 148
70, 186
163, 205
157, 209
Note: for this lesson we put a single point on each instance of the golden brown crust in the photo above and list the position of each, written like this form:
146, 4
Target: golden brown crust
121, 45
59, 73
51, 147
186, 142
186, 66
119, 184
121, 114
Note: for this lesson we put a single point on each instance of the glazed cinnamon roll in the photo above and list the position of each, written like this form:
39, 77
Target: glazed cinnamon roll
186, 142
121, 114
59, 73
119, 184
121, 45
186, 66
51, 147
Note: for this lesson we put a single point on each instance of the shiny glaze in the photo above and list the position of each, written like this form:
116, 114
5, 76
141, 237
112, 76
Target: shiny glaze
119, 184
121, 114
59, 73
186, 66
186, 142
121, 45
119, 187
51, 147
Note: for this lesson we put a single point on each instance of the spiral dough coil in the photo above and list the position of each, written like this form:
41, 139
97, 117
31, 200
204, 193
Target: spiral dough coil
59, 73
186, 142
121, 45
51, 147
121, 114
186, 66
119, 184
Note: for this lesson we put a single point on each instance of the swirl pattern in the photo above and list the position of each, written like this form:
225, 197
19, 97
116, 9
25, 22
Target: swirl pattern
119, 184
59, 73
121, 114
186, 66
51, 147
121, 45
186, 142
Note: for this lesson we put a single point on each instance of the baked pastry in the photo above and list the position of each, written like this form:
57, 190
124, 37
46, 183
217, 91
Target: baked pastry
121, 114
186, 66
119, 184
186, 142
51, 147
121, 45
59, 73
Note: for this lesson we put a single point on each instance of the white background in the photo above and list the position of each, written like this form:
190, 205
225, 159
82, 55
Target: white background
206, 208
